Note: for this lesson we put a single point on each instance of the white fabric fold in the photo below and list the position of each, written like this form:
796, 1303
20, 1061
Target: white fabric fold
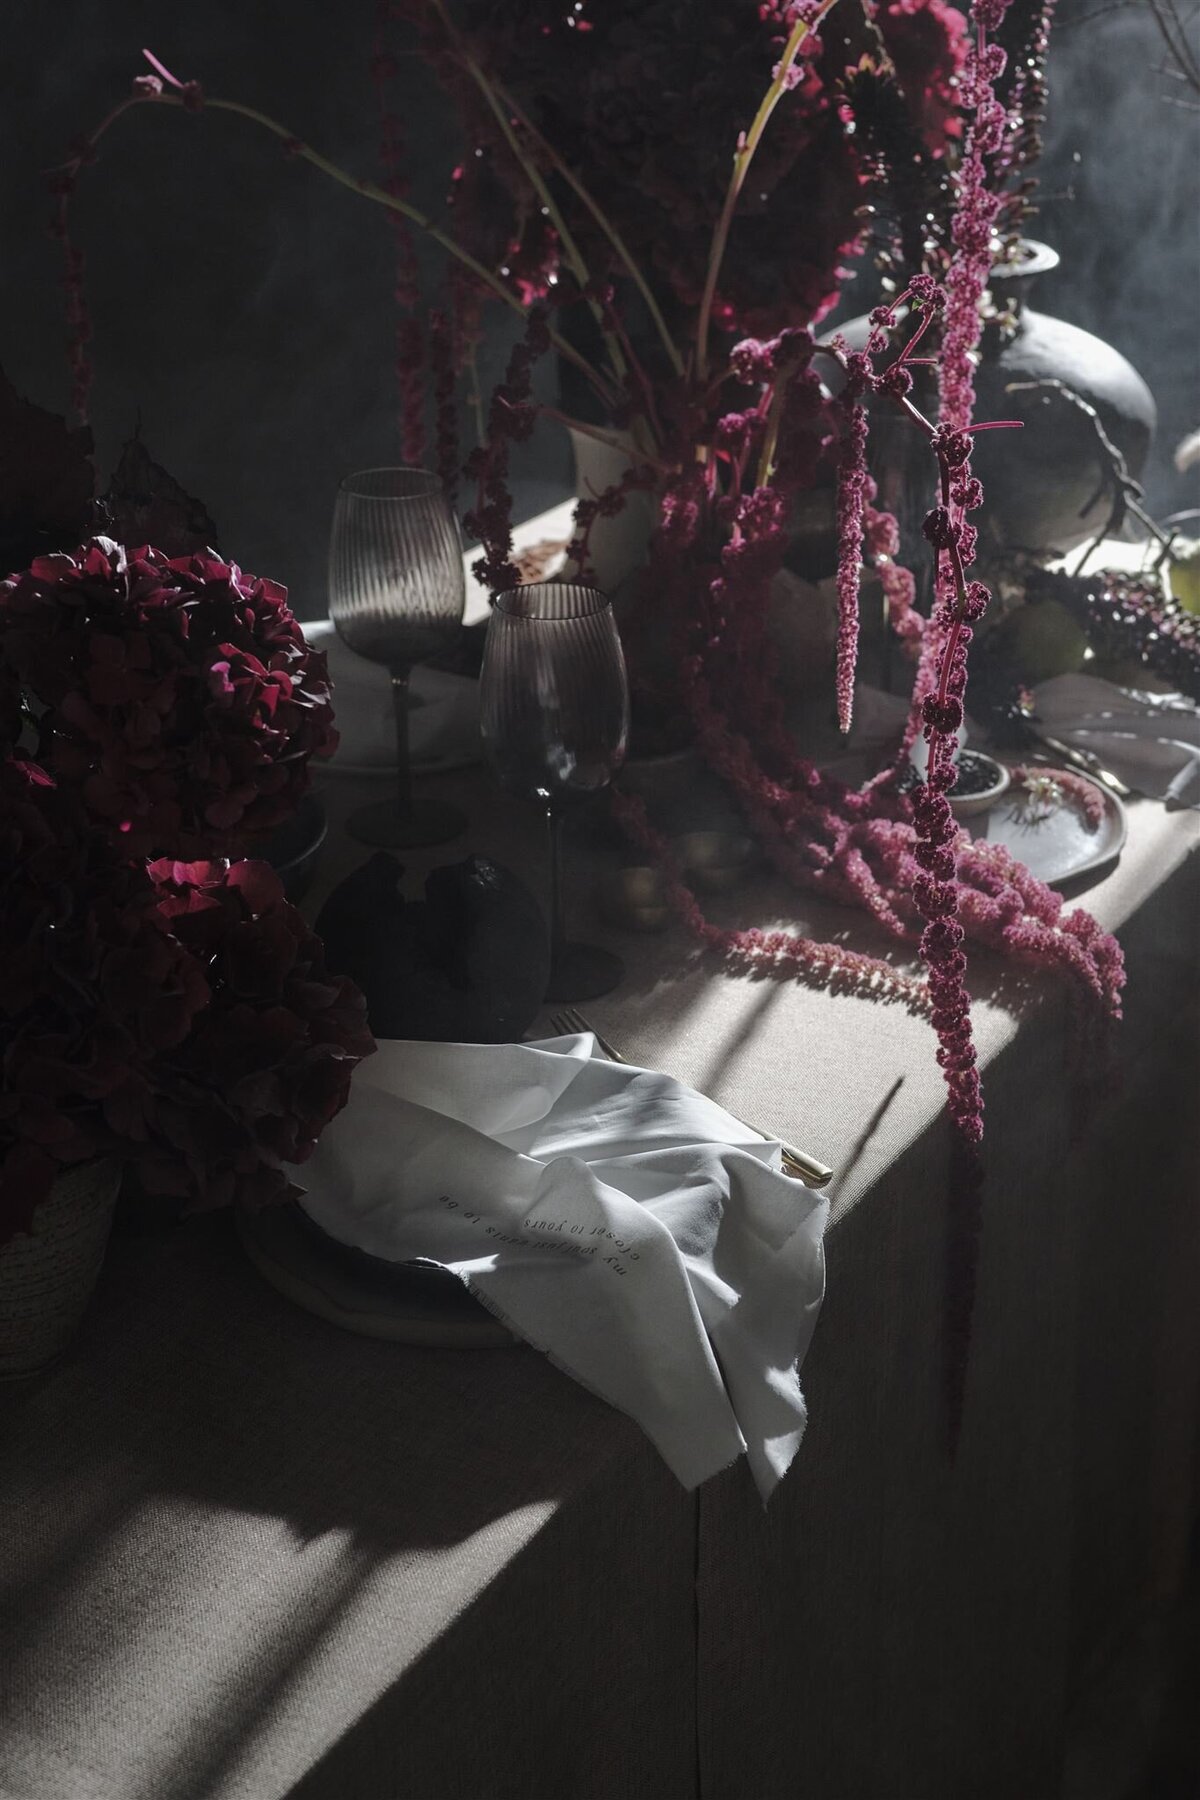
618, 1221
1152, 741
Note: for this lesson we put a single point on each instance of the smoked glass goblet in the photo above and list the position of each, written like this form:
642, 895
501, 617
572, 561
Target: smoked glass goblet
554, 715
396, 595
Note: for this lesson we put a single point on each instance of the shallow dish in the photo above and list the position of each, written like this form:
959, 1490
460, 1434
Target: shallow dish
1054, 841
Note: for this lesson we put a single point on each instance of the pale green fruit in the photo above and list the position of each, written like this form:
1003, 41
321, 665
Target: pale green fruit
1045, 640
1184, 568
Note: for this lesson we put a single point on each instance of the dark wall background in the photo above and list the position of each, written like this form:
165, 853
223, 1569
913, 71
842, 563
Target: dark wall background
241, 301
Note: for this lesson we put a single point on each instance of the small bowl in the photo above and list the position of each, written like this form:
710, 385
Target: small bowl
714, 861
967, 806
634, 899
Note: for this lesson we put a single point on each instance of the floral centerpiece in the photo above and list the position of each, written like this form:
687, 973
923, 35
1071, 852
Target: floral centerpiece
664, 195
703, 283
160, 1002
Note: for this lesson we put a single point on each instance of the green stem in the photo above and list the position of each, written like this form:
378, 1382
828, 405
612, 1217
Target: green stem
533, 176
370, 190
741, 166
774, 419
607, 227
475, 398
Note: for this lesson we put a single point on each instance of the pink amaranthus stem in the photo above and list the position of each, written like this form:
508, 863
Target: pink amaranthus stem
853, 482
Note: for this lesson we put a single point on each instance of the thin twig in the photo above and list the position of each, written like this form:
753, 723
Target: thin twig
607, 227
369, 190
534, 177
743, 157
631, 451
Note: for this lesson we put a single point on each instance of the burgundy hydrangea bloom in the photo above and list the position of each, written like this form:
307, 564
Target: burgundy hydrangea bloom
181, 700
177, 1016
267, 1063
93, 990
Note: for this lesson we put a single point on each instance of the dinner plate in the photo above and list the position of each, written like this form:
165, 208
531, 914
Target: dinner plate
1053, 839
405, 1303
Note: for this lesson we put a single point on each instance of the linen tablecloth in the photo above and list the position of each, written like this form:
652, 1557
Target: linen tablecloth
243, 1555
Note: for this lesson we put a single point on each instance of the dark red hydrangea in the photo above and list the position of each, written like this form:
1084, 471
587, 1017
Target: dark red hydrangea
178, 1016
94, 990
181, 701
268, 1062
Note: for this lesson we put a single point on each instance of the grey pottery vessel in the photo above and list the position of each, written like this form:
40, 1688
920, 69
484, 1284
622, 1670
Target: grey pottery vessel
1047, 486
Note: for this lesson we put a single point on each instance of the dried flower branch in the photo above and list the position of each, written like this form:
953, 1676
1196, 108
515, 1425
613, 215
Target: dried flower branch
807, 17
149, 91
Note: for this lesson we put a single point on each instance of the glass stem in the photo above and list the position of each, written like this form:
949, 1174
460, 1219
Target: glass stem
403, 763
558, 926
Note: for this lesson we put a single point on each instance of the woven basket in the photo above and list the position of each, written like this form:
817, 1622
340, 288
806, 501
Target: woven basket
47, 1275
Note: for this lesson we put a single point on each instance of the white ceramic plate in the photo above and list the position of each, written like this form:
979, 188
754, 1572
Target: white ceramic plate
1054, 843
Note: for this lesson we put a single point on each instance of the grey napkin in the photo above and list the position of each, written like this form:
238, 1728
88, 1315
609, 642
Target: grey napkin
1152, 741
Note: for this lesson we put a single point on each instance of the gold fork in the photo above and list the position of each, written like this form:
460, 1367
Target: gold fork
795, 1162
1087, 762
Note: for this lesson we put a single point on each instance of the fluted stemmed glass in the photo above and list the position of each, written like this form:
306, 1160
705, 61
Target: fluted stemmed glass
554, 714
396, 595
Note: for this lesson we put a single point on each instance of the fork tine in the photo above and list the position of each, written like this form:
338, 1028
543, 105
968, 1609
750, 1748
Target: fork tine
579, 1023
568, 1022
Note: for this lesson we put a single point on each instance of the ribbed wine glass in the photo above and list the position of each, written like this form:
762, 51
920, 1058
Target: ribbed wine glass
554, 714
396, 595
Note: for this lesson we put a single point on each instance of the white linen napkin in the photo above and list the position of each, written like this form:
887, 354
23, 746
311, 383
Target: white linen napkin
443, 711
1152, 741
618, 1221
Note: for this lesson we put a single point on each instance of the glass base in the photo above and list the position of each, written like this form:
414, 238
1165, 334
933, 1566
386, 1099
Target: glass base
583, 972
385, 826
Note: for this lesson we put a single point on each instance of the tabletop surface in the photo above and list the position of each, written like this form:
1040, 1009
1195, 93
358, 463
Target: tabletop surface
788, 1056
223, 1512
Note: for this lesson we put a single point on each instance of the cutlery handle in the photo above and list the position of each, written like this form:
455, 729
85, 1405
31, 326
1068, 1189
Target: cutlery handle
811, 1172
1089, 764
